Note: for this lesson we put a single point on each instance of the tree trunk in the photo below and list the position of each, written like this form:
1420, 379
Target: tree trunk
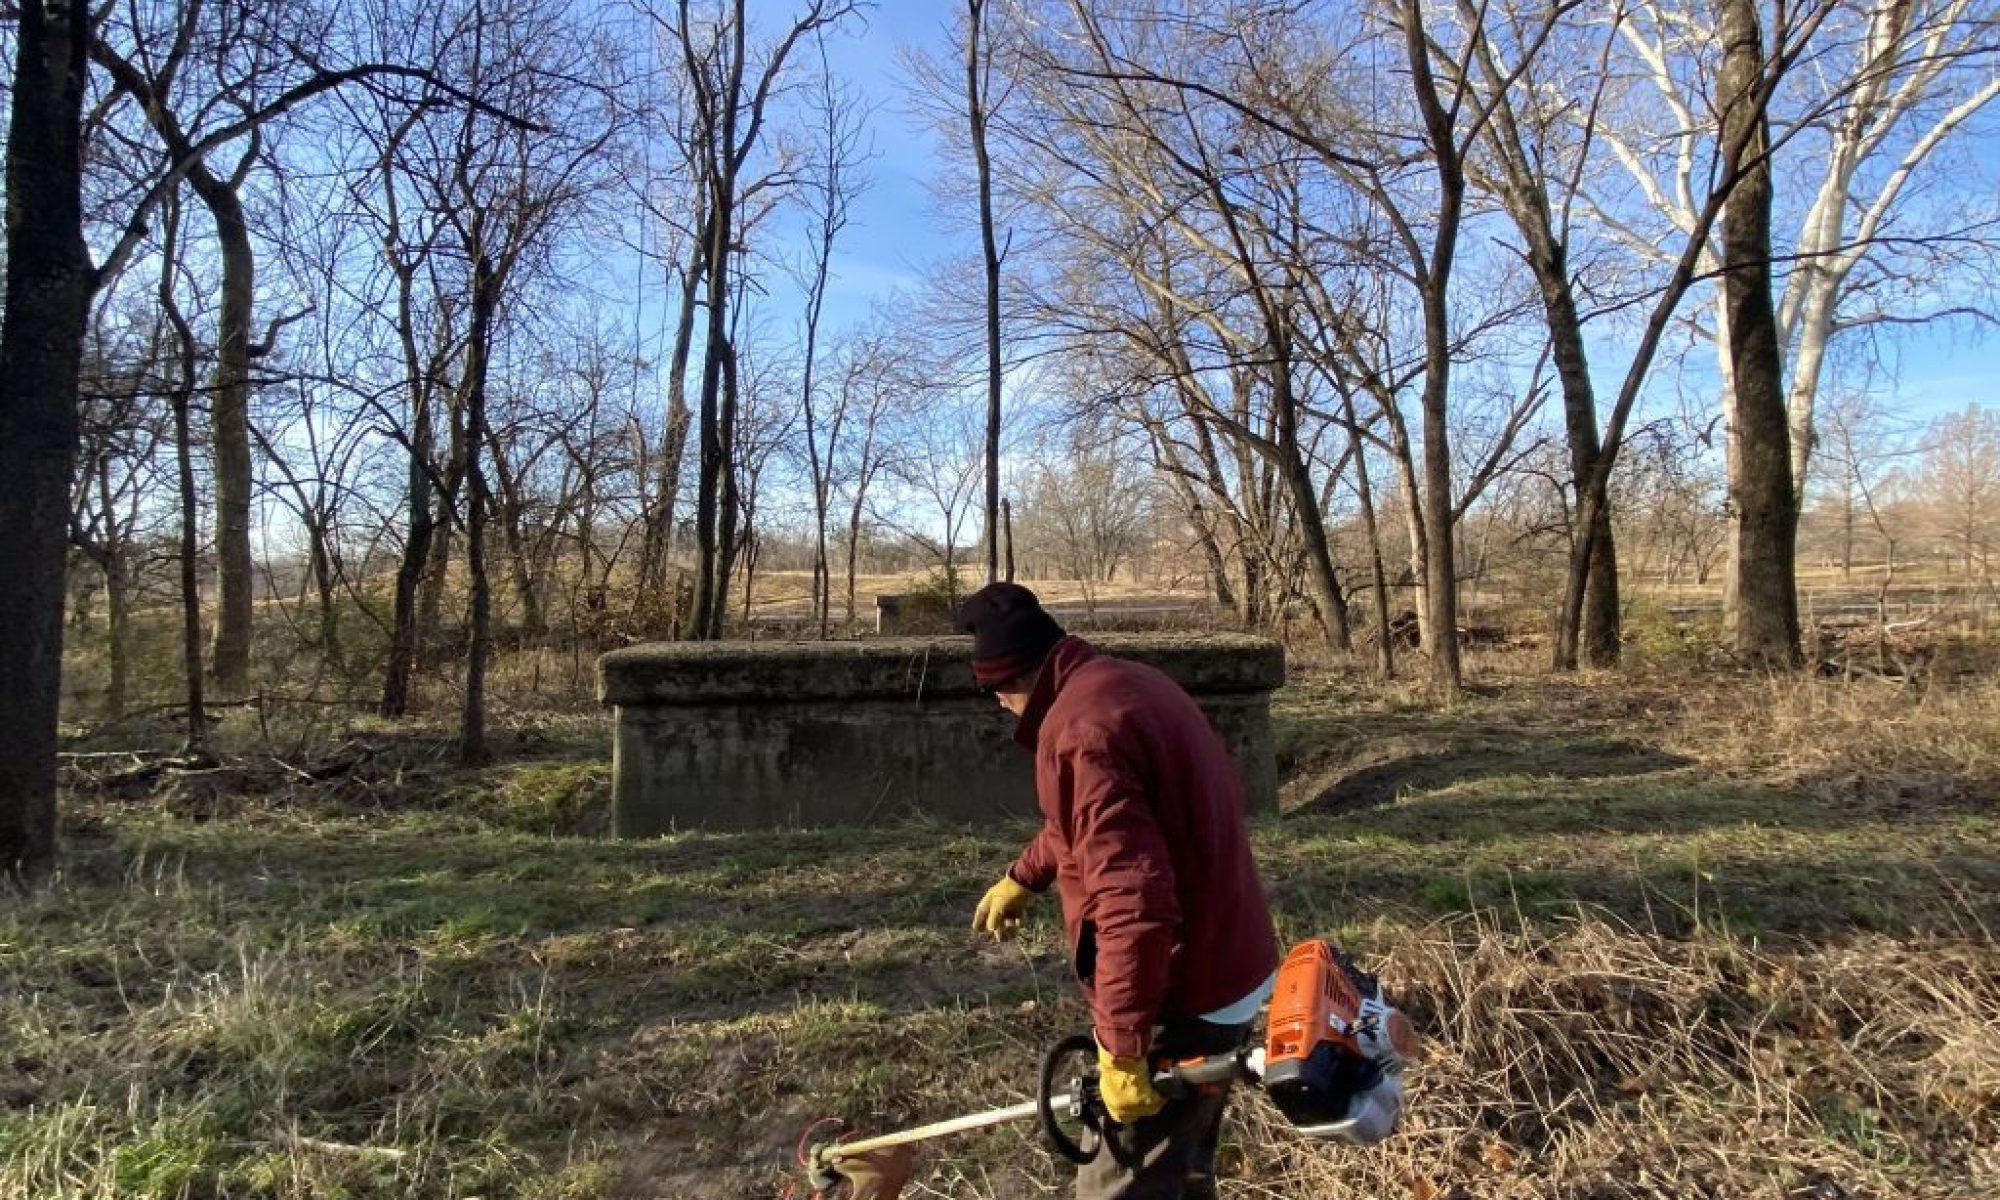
1731, 459
118, 603
113, 560
1591, 581
1815, 331
1385, 645
49, 284
1402, 455
1602, 611
1434, 283
520, 555
190, 502
1440, 566
729, 502
1250, 606
229, 428
1007, 531
182, 403
472, 748
1321, 571
853, 551
437, 571
656, 551
821, 467
1767, 619
711, 546
1219, 585
975, 109
1231, 521
319, 552
1847, 535
403, 626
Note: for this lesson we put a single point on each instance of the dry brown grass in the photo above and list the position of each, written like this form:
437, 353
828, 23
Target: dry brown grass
1598, 1061
1667, 936
1867, 728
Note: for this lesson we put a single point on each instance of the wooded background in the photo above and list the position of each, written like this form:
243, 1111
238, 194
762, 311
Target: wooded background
321, 364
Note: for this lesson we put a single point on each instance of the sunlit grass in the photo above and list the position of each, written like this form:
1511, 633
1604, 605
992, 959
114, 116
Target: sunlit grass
1666, 937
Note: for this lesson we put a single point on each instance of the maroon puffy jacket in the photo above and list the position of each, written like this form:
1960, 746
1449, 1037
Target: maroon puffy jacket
1144, 839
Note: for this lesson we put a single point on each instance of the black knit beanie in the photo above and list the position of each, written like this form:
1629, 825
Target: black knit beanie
1011, 632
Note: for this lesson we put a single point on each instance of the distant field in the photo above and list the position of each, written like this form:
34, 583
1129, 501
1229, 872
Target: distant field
1666, 938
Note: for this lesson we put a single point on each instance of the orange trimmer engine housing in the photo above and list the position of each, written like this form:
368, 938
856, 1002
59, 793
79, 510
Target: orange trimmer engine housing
1334, 1049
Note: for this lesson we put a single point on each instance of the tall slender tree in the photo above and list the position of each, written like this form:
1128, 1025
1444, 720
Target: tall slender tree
730, 84
49, 284
978, 97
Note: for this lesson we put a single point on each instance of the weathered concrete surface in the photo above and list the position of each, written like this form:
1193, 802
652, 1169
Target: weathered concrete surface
734, 735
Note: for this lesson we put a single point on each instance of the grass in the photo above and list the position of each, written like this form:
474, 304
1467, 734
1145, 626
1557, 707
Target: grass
1665, 937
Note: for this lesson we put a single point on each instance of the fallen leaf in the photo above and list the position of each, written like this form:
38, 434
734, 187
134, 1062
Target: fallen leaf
1498, 1156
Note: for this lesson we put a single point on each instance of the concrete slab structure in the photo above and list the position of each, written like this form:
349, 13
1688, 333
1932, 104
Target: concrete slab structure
744, 735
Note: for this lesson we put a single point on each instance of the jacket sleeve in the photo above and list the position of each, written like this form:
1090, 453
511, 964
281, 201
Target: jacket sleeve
1129, 897
1035, 869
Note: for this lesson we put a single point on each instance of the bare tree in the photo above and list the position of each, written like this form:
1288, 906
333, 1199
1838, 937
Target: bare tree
185, 361
876, 372
978, 101
1164, 161
262, 62
1919, 73
1088, 508
829, 198
1961, 482
1859, 454
117, 474
729, 89
223, 34
1875, 89
1529, 164
507, 190
673, 199
939, 470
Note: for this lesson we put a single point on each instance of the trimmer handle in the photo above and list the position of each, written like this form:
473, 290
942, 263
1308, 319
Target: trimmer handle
1179, 1077
1069, 1091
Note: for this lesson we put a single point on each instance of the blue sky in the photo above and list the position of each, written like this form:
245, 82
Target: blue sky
898, 235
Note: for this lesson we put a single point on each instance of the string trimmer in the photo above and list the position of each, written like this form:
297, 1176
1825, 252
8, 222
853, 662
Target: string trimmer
1332, 1062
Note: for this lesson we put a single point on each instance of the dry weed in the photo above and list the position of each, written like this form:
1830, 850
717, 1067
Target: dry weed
1861, 733
1603, 1062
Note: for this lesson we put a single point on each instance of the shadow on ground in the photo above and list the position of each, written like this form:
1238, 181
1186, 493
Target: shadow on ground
1377, 779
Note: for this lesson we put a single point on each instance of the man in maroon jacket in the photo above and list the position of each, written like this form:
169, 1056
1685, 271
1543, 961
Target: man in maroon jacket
1143, 838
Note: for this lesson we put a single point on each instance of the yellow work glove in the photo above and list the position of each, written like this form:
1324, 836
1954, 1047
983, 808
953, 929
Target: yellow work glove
1126, 1087
999, 911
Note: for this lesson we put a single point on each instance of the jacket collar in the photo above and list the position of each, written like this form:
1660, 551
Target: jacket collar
1063, 660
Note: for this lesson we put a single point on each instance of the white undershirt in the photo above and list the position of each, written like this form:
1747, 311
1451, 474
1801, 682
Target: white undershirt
1241, 1012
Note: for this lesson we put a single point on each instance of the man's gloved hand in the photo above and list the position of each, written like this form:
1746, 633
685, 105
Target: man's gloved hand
999, 911
1126, 1087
